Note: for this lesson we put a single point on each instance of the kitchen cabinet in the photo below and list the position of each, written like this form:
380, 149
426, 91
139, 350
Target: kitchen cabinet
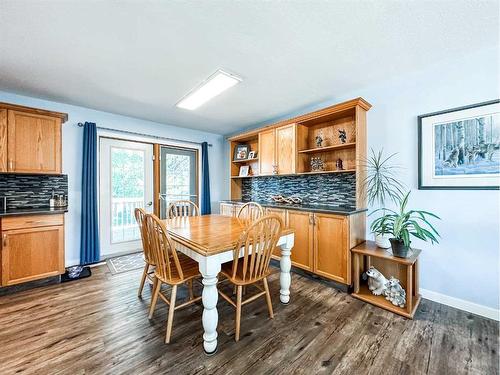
34, 143
285, 149
3, 140
30, 140
283, 215
32, 248
331, 247
322, 241
301, 222
267, 157
227, 209
277, 150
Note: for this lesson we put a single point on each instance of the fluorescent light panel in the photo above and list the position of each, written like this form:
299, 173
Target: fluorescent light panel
215, 84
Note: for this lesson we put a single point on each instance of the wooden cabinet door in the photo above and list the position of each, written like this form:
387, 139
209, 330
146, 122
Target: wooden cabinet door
227, 209
331, 250
267, 152
283, 215
285, 149
32, 253
3, 140
302, 251
34, 143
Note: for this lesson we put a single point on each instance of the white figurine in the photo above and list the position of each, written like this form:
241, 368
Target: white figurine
395, 292
376, 281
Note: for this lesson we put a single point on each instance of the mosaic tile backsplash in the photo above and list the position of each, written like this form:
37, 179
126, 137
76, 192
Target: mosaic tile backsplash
31, 191
330, 189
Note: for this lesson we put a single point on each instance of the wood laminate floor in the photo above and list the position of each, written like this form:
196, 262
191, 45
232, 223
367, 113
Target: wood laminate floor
99, 326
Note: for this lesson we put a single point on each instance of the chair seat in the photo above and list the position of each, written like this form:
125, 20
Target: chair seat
190, 270
227, 270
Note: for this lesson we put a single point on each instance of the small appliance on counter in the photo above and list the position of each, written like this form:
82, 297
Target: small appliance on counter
58, 200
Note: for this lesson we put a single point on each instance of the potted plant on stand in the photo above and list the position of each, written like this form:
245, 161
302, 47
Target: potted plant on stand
381, 186
403, 224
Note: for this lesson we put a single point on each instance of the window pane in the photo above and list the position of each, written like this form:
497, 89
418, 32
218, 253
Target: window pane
178, 176
127, 187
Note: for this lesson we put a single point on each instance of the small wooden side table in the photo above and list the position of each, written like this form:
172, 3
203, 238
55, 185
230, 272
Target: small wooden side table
368, 254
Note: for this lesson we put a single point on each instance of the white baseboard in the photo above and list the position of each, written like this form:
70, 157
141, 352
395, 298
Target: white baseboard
487, 312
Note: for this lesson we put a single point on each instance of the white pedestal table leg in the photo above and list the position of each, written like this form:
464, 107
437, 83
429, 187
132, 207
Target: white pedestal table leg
209, 269
285, 266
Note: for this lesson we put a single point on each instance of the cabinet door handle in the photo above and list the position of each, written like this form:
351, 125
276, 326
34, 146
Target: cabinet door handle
5, 240
11, 165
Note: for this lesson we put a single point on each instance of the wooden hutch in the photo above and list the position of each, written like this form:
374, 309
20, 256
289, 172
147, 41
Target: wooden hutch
286, 148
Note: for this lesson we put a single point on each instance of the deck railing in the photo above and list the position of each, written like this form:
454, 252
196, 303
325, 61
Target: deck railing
123, 224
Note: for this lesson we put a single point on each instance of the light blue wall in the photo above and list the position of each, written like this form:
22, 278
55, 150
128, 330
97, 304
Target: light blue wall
465, 264
72, 155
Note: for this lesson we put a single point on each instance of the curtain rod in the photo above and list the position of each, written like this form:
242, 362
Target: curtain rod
147, 135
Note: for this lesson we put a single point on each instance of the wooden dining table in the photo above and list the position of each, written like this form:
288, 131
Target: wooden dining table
210, 240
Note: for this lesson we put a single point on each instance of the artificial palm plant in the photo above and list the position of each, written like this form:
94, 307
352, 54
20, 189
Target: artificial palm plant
381, 185
403, 224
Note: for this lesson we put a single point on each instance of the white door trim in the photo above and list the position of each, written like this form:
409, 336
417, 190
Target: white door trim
107, 247
153, 140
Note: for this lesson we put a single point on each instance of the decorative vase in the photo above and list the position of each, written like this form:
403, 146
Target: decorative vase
382, 240
398, 248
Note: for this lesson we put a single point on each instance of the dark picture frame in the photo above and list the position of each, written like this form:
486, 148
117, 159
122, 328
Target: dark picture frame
422, 185
241, 152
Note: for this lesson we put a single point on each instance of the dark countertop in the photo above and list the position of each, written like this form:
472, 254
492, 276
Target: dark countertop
321, 208
33, 211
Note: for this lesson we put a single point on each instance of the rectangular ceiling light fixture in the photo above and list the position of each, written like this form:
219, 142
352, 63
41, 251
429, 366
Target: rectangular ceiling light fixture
214, 85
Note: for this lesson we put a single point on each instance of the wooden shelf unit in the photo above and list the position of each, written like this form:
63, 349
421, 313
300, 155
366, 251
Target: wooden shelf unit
253, 142
327, 148
288, 146
405, 269
327, 172
246, 160
333, 149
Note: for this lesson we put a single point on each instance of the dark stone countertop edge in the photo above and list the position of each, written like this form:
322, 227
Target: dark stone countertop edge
312, 208
33, 211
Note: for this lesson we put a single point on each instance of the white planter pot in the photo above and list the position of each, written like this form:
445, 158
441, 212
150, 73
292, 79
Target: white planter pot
382, 240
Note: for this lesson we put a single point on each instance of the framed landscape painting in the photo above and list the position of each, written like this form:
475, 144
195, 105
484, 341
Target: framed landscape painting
460, 148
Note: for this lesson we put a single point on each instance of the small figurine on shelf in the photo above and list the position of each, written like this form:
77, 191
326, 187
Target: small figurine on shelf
377, 283
339, 164
319, 139
342, 135
395, 292
317, 164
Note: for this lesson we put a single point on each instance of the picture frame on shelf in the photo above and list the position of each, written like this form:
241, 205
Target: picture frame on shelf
244, 171
241, 152
459, 149
252, 155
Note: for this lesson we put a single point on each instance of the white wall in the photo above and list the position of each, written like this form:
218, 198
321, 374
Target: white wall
72, 155
465, 265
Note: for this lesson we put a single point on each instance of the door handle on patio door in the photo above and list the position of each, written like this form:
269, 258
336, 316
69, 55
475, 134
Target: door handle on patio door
149, 204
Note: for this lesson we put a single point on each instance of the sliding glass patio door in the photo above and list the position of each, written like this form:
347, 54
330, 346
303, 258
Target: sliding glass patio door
126, 182
178, 176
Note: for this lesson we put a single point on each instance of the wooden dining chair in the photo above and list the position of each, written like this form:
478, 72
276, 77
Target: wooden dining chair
172, 268
140, 217
251, 211
256, 244
182, 208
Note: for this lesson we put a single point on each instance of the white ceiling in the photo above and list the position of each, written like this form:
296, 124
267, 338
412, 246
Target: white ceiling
138, 58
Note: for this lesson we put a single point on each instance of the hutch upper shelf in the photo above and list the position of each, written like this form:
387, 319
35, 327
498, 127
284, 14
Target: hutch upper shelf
330, 140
